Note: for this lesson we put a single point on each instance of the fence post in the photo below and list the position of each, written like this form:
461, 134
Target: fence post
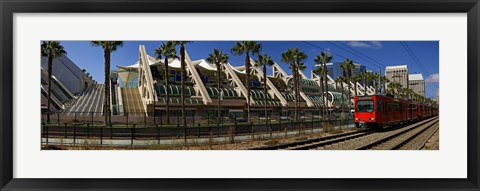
235, 124
111, 131
58, 118
194, 115
312, 123
159, 133
208, 120
65, 131
101, 135
126, 119
280, 121
144, 119
75, 117
218, 128
91, 118
156, 131
185, 135
74, 134
199, 130
223, 117
252, 130
132, 135
46, 134
88, 130
178, 118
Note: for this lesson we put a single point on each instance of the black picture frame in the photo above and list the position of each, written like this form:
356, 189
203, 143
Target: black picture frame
9, 7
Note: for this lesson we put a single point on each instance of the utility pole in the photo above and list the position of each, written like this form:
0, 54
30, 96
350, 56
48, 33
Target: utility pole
379, 77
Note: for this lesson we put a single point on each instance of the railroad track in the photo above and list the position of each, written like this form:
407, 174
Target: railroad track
400, 138
311, 143
359, 140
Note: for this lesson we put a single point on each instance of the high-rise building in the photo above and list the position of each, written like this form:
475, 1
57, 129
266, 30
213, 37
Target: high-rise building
417, 83
397, 74
334, 70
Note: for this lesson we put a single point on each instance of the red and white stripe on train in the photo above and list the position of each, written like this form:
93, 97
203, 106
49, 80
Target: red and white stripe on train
377, 111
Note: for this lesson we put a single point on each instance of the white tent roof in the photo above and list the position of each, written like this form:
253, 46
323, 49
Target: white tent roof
204, 64
175, 63
238, 69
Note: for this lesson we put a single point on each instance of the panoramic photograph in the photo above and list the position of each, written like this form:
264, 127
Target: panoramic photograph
239, 95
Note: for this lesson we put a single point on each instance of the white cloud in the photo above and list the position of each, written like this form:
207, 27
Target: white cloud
434, 78
363, 44
376, 44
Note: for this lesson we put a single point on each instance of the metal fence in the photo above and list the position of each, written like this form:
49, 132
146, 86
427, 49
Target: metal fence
136, 132
192, 118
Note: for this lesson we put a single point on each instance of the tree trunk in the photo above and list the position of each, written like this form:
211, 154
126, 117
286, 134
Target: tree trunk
326, 86
248, 83
182, 63
219, 88
167, 98
355, 84
50, 63
265, 86
295, 90
343, 92
364, 86
349, 88
107, 85
323, 100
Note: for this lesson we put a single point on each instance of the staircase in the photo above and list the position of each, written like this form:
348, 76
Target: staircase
132, 102
90, 100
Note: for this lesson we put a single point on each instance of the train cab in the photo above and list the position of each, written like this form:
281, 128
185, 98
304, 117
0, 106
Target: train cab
365, 114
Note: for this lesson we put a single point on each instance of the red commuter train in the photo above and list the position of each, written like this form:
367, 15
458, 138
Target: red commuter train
377, 111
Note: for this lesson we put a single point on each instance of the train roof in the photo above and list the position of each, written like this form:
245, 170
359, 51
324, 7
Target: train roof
392, 97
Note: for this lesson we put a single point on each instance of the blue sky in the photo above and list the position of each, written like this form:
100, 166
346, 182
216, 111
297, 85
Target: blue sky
372, 54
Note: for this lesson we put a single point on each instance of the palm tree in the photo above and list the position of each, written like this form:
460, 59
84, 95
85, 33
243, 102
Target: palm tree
365, 76
52, 50
341, 80
394, 88
374, 77
355, 79
319, 72
347, 67
108, 48
182, 71
166, 50
247, 47
323, 59
218, 58
264, 61
295, 57
382, 82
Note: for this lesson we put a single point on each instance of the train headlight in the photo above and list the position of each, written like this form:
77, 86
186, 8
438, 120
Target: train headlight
357, 119
371, 119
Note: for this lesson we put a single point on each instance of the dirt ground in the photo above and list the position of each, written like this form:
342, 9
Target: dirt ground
433, 143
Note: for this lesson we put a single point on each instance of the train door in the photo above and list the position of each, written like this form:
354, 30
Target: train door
385, 111
412, 113
379, 111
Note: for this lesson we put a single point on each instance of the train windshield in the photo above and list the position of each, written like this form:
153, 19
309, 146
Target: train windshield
364, 106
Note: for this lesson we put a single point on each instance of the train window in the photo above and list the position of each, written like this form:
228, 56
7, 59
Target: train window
379, 106
393, 106
364, 106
